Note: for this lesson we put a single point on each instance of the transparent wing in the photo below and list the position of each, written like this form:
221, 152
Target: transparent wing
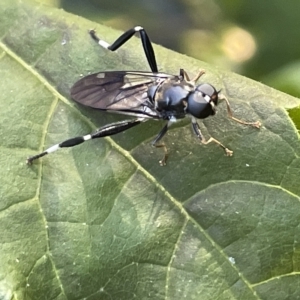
119, 91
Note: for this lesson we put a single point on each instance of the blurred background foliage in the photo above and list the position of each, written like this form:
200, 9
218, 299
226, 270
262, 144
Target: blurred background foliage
258, 39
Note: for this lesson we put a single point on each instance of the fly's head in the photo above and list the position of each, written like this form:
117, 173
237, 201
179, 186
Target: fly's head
202, 102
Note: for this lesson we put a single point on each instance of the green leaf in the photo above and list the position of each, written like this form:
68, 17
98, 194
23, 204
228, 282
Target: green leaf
103, 220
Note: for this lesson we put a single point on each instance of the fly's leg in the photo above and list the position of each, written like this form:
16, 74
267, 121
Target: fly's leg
146, 42
211, 139
106, 130
154, 143
256, 124
198, 133
185, 76
163, 161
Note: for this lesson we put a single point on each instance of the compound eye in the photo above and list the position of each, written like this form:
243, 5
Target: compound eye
202, 102
209, 93
206, 89
198, 106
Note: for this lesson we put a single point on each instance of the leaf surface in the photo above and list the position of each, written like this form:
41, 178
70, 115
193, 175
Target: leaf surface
103, 220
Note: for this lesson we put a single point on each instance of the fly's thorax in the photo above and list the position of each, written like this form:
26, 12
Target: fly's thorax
171, 96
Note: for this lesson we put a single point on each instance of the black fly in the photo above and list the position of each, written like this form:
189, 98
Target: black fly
144, 95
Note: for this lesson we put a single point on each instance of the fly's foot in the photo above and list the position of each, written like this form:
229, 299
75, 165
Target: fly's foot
162, 162
256, 124
228, 152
